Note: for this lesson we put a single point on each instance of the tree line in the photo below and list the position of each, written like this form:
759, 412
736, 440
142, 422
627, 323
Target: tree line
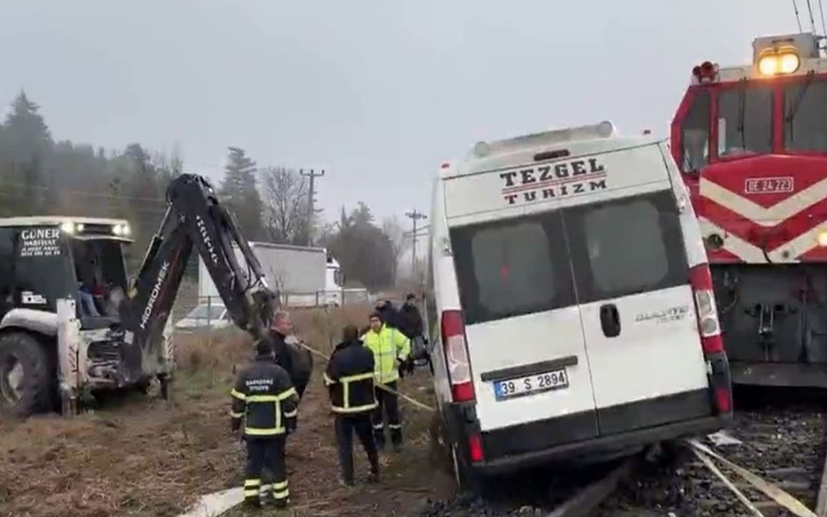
40, 175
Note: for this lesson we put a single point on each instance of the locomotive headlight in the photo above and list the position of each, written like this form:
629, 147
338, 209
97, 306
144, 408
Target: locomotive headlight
779, 64
788, 63
822, 239
68, 227
767, 65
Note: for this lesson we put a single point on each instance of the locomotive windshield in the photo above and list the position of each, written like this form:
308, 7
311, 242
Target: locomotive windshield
745, 121
805, 115
695, 133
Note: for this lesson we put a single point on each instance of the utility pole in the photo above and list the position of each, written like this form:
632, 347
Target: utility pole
311, 201
414, 216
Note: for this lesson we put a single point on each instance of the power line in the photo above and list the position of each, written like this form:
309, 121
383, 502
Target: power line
823, 25
148, 210
86, 193
797, 17
812, 19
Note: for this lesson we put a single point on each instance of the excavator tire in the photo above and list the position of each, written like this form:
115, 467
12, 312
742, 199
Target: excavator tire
25, 362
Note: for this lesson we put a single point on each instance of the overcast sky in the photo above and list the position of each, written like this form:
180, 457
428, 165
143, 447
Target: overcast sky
378, 92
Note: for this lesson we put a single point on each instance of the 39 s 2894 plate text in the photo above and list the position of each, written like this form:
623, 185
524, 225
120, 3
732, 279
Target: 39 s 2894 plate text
531, 384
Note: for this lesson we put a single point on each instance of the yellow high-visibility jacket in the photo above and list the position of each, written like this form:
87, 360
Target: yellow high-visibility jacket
389, 347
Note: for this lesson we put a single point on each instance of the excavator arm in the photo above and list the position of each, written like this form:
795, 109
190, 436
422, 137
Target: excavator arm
194, 219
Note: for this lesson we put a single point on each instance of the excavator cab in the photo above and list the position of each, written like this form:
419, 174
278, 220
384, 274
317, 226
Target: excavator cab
43, 259
100, 272
47, 263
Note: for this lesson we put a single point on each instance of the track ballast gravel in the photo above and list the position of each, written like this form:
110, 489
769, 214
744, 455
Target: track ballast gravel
783, 441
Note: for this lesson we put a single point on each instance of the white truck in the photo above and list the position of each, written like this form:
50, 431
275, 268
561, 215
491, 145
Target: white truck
303, 276
334, 290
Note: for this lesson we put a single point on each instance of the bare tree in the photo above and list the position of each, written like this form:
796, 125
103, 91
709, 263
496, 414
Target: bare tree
286, 204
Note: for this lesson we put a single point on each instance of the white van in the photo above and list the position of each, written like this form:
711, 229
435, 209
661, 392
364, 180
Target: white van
570, 302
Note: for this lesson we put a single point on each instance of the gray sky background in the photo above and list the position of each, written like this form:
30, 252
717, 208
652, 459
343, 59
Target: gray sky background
376, 91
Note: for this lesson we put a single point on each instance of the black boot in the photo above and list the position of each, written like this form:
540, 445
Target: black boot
267, 497
396, 438
251, 503
379, 438
373, 476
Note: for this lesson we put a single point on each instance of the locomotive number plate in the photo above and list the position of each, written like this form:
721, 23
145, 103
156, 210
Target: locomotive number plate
769, 185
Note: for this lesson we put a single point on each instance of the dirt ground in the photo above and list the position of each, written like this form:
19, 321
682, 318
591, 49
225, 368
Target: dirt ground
141, 456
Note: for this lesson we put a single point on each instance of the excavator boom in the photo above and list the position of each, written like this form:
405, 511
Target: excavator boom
194, 219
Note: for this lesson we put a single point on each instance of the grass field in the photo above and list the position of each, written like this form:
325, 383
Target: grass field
141, 456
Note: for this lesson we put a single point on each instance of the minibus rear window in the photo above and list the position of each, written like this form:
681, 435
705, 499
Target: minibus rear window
512, 267
626, 246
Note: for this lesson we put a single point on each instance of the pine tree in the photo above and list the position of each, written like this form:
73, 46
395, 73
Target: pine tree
27, 142
239, 192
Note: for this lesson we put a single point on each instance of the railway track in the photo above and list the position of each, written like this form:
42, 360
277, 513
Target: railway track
783, 439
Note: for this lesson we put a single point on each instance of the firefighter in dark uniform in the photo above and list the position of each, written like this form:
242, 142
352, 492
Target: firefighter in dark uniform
349, 378
265, 397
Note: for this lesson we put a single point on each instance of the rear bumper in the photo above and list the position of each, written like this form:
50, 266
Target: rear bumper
604, 446
587, 435
798, 375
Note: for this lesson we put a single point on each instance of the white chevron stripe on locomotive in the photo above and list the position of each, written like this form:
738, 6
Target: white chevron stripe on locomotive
756, 213
752, 254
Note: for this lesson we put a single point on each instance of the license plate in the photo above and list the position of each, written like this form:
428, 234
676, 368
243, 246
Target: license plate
531, 384
769, 185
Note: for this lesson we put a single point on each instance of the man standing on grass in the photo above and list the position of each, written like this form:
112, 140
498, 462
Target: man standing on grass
390, 350
265, 398
349, 378
297, 361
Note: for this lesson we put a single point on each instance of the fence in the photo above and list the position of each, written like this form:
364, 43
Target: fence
209, 311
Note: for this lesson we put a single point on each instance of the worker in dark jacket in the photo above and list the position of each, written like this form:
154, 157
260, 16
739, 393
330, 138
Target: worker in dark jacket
410, 323
349, 378
389, 314
265, 398
297, 362
409, 320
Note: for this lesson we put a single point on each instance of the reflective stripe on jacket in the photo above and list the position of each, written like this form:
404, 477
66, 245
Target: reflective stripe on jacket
349, 378
352, 393
265, 397
389, 347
